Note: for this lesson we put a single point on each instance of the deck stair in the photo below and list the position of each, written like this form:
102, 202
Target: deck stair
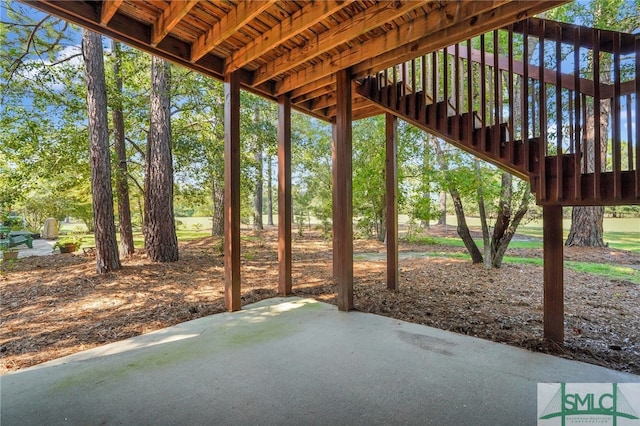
491, 97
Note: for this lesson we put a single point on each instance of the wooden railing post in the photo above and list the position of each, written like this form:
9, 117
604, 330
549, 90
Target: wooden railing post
547, 134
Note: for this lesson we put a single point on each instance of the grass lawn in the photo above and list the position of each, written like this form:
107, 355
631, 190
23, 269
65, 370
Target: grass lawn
622, 234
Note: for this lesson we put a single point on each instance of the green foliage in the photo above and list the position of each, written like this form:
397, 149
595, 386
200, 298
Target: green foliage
369, 175
619, 15
311, 170
420, 239
12, 220
43, 115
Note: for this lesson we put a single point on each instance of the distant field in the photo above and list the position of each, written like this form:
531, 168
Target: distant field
622, 233
610, 224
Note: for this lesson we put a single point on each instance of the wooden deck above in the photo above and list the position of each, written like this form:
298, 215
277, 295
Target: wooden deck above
293, 47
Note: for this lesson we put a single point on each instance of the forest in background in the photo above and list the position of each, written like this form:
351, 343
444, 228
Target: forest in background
44, 148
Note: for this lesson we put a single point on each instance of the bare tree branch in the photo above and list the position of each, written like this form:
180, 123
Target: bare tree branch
137, 148
133, 179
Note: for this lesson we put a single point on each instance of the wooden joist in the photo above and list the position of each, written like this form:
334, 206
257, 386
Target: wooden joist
239, 16
306, 17
442, 35
169, 19
359, 24
109, 8
400, 36
265, 41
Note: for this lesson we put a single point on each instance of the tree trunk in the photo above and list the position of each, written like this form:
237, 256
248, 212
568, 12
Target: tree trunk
505, 226
483, 217
257, 194
122, 187
217, 194
463, 228
425, 184
501, 241
442, 220
587, 222
269, 192
504, 211
160, 242
381, 223
107, 258
586, 227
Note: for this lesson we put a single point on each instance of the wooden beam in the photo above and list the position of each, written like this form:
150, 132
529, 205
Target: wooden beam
367, 20
342, 207
311, 96
467, 27
450, 15
285, 206
324, 101
391, 200
553, 273
357, 103
325, 97
297, 23
169, 19
137, 34
324, 83
370, 111
243, 13
232, 192
108, 9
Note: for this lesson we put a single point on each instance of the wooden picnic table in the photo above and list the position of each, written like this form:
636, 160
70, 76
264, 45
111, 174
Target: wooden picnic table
10, 238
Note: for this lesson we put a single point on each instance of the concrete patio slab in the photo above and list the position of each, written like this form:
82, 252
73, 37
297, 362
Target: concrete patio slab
291, 361
41, 247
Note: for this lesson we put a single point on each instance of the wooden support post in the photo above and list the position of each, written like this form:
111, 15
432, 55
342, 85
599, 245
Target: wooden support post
553, 274
285, 209
391, 176
232, 191
334, 218
342, 207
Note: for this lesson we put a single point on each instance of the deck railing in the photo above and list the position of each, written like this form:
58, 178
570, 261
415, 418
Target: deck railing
572, 89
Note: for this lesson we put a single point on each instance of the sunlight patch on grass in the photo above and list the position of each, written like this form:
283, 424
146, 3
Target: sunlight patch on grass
612, 272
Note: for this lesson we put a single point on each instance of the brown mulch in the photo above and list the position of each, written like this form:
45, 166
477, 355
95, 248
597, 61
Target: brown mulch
56, 305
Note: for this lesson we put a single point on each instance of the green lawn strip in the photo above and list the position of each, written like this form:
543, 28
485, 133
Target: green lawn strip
457, 242
613, 272
88, 240
629, 241
190, 235
623, 240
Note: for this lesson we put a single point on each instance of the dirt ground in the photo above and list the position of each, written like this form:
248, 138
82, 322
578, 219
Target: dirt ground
56, 305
